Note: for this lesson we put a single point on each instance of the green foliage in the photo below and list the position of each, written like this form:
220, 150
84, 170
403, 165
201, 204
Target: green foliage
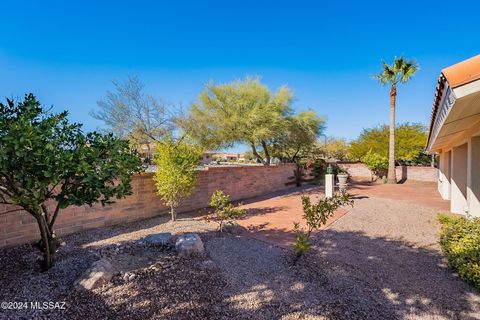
297, 139
410, 140
316, 215
238, 112
460, 242
375, 161
175, 177
334, 148
400, 71
43, 157
225, 211
319, 168
302, 243
130, 113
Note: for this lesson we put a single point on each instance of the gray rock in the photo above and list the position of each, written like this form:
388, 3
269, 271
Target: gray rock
96, 276
128, 276
159, 239
233, 228
189, 244
207, 265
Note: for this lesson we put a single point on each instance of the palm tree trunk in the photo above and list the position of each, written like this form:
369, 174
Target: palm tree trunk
391, 176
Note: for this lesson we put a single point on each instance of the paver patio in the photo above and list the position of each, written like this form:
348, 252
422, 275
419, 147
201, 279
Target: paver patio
271, 217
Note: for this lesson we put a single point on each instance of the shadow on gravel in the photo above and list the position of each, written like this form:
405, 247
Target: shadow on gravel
347, 275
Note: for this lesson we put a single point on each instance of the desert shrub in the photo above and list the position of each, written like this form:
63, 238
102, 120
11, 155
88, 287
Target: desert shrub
376, 162
319, 167
225, 211
460, 242
176, 176
316, 216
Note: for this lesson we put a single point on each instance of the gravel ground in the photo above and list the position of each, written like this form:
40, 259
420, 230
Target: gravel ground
380, 261
155, 271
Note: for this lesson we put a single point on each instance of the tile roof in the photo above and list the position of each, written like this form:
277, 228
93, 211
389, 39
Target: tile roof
463, 72
454, 76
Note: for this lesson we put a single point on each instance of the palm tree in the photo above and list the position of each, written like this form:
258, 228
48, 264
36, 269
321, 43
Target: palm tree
400, 71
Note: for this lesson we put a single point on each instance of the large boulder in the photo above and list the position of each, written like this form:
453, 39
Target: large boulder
159, 239
96, 276
189, 244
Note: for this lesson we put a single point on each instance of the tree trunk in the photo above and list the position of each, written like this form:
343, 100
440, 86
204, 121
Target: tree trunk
255, 153
173, 213
267, 154
47, 244
391, 176
298, 175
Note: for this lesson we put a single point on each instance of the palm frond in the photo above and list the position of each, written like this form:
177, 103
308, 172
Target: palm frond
401, 70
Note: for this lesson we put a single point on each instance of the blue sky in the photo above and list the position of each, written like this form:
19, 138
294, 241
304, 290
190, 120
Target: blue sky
67, 53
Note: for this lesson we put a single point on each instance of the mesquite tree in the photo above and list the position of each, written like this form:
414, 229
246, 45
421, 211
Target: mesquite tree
239, 112
48, 164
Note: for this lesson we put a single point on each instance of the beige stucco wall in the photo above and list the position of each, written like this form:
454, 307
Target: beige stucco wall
458, 203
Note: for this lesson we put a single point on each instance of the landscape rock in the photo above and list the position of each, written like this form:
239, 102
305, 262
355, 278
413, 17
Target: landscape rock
96, 276
159, 239
207, 265
233, 228
189, 244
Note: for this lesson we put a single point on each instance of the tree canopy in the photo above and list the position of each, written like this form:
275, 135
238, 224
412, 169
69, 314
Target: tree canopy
400, 71
334, 148
130, 113
410, 140
44, 158
238, 112
298, 136
248, 112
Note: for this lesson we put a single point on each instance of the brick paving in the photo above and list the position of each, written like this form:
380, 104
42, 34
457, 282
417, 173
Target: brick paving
271, 217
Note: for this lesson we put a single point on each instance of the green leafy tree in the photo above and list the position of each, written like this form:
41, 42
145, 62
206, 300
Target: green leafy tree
298, 137
48, 164
377, 163
400, 71
334, 148
238, 112
296, 142
316, 215
410, 140
130, 113
225, 211
175, 177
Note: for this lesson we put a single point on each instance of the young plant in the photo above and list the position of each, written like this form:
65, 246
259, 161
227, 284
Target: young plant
175, 177
224, 209
48, 164
316, 216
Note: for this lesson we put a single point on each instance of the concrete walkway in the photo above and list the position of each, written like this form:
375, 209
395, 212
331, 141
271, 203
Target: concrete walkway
271, 217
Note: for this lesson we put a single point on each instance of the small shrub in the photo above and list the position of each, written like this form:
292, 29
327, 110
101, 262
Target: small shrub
176, 176
301, 244
460, 242
316, 215
319, 167
225, 211
377, 163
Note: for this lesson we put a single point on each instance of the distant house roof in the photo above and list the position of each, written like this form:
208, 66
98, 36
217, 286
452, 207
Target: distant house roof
454, 76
